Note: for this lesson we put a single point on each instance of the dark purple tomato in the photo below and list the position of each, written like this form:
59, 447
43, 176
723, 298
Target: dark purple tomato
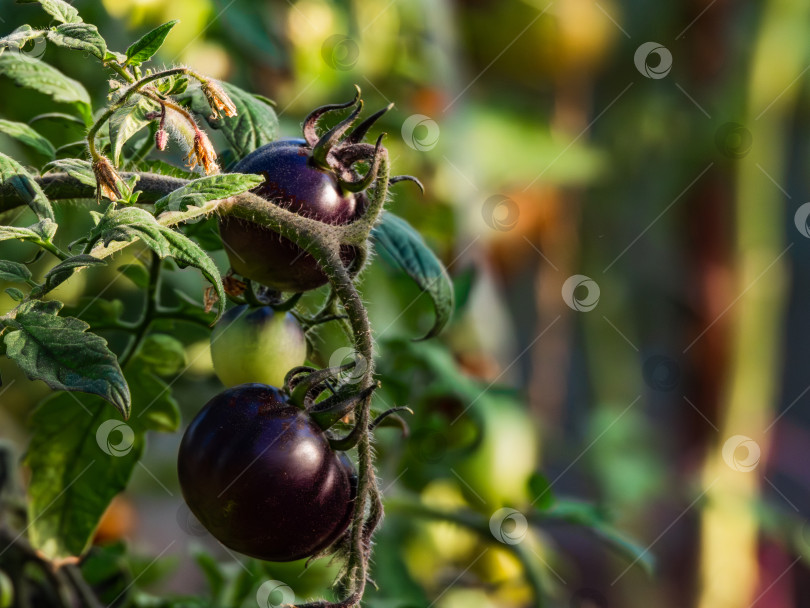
292, 181
261, 477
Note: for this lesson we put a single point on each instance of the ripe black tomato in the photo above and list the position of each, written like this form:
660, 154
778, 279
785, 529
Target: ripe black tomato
259, 474
292, 181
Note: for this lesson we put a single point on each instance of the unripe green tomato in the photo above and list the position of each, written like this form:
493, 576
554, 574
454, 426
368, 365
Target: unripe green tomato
256, 345
6, 591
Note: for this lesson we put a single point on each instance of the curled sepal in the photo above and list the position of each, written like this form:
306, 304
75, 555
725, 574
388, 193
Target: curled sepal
311, 121
294, 375
331, 138
305, 388
365, 181
406, 178
389, 418
330, 411
359, 132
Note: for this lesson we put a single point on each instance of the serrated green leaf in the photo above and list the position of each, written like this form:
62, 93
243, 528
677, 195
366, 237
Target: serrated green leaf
77, 168
136, 273
14, 294
28, 136
130, 223
254, 125
125, 123
208, 188
79, 36
15, 175
60, 352
36, 74
62, 271
19, 38
14, 272
43, 230
58, 9
406, 248
81, 453
143, 49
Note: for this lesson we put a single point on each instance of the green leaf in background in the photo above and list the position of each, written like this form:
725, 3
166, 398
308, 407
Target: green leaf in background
405, 247
208, 188
14, 272
28, 136
254, 125
137, 273
41, 231
164, 354
540, 488
19, 38
18, 296
98, 312
58, 9
77, 168
14, 174
126, 122
34, 74
143, 49
60, 352
81, 453
79, 36
130, 223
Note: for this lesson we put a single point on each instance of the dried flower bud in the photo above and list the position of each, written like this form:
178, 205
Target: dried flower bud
203, 154
218, 99
161, 139
106, 178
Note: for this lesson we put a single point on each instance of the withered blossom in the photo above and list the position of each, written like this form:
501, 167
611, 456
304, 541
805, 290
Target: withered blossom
202, 153
106, 178
218, 100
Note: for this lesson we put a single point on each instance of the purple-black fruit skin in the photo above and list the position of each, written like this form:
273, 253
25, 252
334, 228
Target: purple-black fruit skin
260, 475
292, 181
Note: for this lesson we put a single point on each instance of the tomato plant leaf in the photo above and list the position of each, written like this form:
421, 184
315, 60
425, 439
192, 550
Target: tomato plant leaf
28, 136
164, 354
254, 125
126, 122
43, 230
79, 36
19, 38
405, 247
18, 296
33, 73
81, 453
132, 222
63, 271
142, 49
97, 312
14, 174
137, 273
14, 272
58, 9
208, 188
60, 352
77, 168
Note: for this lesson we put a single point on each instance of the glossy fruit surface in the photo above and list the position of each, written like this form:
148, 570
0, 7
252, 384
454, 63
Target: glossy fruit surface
294, 182
256, 345
259, 474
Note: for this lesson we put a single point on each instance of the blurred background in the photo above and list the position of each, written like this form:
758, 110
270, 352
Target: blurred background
618, 191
